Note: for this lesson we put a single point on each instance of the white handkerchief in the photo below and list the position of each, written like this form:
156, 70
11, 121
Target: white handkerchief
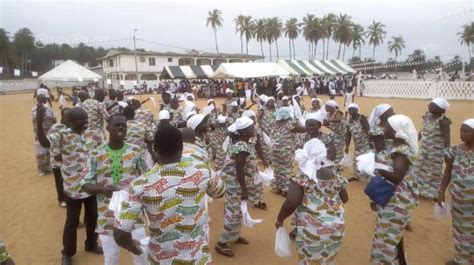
247, 219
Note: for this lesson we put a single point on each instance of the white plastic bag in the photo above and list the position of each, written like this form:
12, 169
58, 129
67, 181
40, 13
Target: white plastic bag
282, 243
266, 139
442, 212
144, 243
118, 197
265, 176
346, 161
226, 144
246, 218
366, 164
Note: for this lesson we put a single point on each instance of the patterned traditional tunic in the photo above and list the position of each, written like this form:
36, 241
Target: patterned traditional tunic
462, 195
338, 134
217, 139
388, 143
138, 134
54, 152
392, 219
233, 193
320, 219
195, 152
97, 116
100, 171
172, 196
177, 116
145, 116
255, 191
75, 149
361, 143
48, 120
233, 116
267, 123
283, 154
42, 154
4, 255
429, 166
115, 109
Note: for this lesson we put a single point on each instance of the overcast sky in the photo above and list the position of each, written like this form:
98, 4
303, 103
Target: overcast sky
427, 25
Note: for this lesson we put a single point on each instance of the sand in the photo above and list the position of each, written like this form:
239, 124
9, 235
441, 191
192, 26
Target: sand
31, 222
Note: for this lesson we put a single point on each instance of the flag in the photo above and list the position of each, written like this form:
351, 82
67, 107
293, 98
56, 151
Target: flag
16, 72
34, 74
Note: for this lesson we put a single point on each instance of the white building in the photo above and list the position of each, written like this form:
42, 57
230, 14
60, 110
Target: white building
119, 66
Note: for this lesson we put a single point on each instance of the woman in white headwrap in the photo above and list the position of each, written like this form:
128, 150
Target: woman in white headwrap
229, 98
434, 139
357, 130
317, 195
218, 138
233, 174
256, 145
316, 105
198, 122
378, 119
266, 117
336, 123
459, 172
393, 218
279, 99
212, 112
284, 143
234, 112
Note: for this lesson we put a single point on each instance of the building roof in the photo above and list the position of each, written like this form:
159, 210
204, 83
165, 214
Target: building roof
193, 53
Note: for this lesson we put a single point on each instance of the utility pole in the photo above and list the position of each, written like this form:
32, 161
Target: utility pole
135, 51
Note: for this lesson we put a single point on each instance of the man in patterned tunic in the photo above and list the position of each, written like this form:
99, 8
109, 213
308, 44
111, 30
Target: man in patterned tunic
42, 154
139, 134
111, 167
172, 195
97, 113
74, 145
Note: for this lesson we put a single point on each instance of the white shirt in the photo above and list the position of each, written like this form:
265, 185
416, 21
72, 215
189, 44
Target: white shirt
312, 83
62, 101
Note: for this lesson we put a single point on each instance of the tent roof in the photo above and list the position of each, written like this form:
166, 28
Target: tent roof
249, 70
69, 71
311, 68
187, 72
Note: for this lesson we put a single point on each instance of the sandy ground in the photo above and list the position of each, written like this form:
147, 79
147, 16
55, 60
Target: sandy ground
31, 222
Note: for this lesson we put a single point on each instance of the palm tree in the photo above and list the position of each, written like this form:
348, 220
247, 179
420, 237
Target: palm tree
239, 21
375, 34
259, 32
273, 30
214, 18
292, 31
357, 39
343, 32
328, 23
467, 37
247, 30
316, 35
307, 31
397, 44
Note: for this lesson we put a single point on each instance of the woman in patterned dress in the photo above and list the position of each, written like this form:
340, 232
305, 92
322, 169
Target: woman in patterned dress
392, 219
316, 104
460, 173
336, 123
283, 149
357, 129
218, 138
255, 190
317, 196
377, 121
267, 122
233, 174
434, 139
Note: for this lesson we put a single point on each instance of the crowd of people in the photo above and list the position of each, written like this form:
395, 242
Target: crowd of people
166, 168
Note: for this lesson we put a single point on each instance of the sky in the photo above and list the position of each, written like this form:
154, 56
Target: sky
180, 25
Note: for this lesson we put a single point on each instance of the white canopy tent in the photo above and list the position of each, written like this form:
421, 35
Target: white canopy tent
249, 70
69, 71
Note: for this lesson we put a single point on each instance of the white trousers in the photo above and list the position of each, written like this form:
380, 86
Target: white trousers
112, 250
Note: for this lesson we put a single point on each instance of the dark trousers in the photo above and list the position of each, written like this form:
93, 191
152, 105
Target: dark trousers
58, 180
72, 221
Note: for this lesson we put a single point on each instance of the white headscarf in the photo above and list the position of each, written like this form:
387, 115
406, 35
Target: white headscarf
441, 102
331, 103
188, 107
248, 114
190, 114
469, 122
195, 120
208, 109
285, 98
376, 113
310, 157
318, 116
240, 124
209, 101
263, 98
268, 99
229, 91
221, 119
164, 115
234, 104
299, 90
318, 100
353, 105
405, 130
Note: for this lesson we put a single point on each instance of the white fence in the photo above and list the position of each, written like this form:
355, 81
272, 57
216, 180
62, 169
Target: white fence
18, 84
417, 89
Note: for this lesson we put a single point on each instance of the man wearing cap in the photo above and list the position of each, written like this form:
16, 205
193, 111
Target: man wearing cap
434, 139
42, 154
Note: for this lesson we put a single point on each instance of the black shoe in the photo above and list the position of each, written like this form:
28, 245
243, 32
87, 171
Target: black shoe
96, 250
66, 260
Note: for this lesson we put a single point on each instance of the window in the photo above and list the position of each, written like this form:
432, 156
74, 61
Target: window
111, 62
170, 60
151, 61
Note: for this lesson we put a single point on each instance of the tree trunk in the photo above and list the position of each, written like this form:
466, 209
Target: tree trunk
353, 52
270, 49
315, 49
339, 51
261, 48
360, 52
373, 54
294, 51
344, 53
324, 48
327, 49
309, 50
289, 43
241, 45
215, 39
247, 47
276, 44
